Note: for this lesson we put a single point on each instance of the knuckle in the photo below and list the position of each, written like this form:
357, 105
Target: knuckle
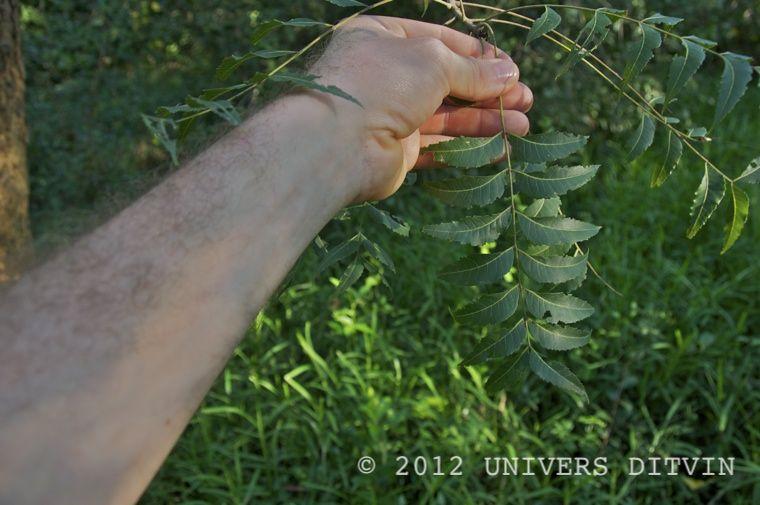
433, 47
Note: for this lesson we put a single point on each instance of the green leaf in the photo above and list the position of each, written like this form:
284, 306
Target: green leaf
469, 190
740, 210
497, 346
309, 81
556, 230
553, 269
473, 230
737, 72
271, 53
302, 22
708, 196
479, 268
350, 276
660, 19
563, 308
554, 181
557, 374
639, 52
543, 207
222, 108
229, 65
159, 128
547, 22
642, 138
388, 220
683, 68
374, 249
558, 338
669, 162
340, 252
347, 3
262, 29
751, 174
544, 147
468, 152
589, 38
709, 44
490, 309
510, 374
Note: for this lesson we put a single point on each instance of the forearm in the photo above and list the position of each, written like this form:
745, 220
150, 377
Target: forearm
119, 338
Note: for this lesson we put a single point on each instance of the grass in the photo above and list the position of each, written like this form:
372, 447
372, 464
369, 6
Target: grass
671, 370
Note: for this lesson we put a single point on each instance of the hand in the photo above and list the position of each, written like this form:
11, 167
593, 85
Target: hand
402, 71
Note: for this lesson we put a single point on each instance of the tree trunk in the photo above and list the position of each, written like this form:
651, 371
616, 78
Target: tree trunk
14, 181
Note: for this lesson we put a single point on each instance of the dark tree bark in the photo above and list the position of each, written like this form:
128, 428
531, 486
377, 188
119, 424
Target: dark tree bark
14, 180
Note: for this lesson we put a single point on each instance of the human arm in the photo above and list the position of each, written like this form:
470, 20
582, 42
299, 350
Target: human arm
107, 350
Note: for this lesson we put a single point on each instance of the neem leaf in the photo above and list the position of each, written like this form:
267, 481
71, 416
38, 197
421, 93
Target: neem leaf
468, 152
388, 220
309, 81
558, 338
562, 307
473, 230
347, 3
639, 52
510, 374
557, 374
708, 196
303, 22
374, 249
479, 268
669, 162
556, 230
660, 19
751, 174
490, 308
547, 22
593, 34
737, 72
642, 138
554, 180
350, 276
159, 128
497, 346
740, 211
545, 147
469, 190
709, 44
553, 269
543, 207
262, 29
682, 68
339, 252
222, 108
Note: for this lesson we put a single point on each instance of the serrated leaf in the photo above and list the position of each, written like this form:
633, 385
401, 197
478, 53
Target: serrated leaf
473, 230
352, 274
547, 22
707, 43
639, 52
497, 346
214, 93
589, 38
642, 137
159, 127
229, 65
553, 269
377, 252
558, 338
339, 252
562, 307
751, 174
490, 308
545, 147
554, 180
708, 196
479, 268
388, 220
347, 3
737, 72
669, 162
660, 19
740, 211
682, 68
262, 29
301, 22
222, 108
543, 207
309, 81
556, 230
510, 374
271, 53
469, 190
468, 152
557, 374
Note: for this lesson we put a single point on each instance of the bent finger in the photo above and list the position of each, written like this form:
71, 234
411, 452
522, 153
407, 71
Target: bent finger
474, 122
426, 160
519, 98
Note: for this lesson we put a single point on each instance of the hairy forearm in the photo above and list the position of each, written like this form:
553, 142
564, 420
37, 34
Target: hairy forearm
119, 338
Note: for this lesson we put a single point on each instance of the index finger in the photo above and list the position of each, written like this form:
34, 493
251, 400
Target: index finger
460, 43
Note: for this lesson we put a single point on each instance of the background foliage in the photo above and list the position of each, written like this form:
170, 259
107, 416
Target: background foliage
320, 380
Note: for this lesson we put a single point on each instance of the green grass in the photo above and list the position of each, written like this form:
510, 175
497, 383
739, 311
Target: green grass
671, 370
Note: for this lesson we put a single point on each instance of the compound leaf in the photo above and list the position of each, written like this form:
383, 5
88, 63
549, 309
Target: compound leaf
554, 180
737, 72
682, 68
642, 138
490, 308
556, 230
708, 196
469, 190
510, 374
562, 307
557, 374
468, 152
553, 269
593, 34
479, 268
639, 52
544, 147
669, 162
309, 81
740, 211
473, 230
497, 346
547, 22
558, 338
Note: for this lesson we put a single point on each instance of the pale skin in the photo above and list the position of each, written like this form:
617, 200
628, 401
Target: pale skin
107, 350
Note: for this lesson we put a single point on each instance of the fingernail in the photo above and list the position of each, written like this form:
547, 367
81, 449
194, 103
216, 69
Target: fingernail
503, 71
